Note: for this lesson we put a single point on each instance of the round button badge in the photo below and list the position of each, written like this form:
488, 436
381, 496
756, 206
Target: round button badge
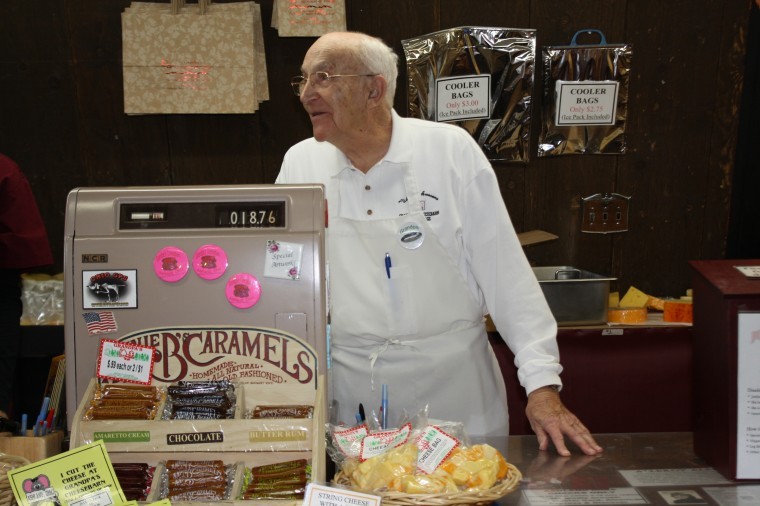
411, 235
170, 264
243, 290
210, 261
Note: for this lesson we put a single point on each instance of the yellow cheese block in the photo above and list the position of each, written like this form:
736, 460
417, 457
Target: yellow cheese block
634, 298
614, 299
655, 303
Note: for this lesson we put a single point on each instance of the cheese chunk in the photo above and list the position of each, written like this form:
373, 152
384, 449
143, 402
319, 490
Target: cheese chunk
627, 315
634, 298
614, 299
678, 311
655, 303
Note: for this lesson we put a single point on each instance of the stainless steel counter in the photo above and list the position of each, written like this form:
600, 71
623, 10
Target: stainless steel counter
640, 468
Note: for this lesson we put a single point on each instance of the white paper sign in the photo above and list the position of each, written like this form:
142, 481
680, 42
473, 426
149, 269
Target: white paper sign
283, 260
586, 102
563, 497
673, 477
751, 271
321, 495
463, 97
748, 397
743, 495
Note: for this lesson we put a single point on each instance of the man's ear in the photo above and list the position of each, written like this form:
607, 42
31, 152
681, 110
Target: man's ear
378, 87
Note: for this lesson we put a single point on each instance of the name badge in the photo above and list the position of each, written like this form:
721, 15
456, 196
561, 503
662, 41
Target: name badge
411, 235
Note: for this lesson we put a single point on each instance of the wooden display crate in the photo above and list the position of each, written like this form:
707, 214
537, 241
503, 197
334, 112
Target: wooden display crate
239, 434
240, 441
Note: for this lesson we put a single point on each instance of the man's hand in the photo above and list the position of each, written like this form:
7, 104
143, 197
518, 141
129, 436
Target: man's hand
550, 419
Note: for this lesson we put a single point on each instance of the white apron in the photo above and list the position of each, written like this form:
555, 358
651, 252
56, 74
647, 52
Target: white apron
420, 331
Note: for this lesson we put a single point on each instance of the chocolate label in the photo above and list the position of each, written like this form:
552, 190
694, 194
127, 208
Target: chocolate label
194, 438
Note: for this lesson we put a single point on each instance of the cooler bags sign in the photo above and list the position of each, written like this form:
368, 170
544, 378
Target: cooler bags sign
251, 354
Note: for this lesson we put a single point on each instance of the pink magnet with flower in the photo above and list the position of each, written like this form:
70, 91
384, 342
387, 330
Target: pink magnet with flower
210, 261
170, 264
243, 290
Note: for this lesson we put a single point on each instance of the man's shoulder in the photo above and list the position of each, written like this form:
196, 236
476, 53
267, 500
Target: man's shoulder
308, 161
425, 127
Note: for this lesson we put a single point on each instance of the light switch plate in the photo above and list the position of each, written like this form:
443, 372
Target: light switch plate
605, 213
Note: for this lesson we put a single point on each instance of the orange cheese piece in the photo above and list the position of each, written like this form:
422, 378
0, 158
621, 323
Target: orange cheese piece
677, 311
627, 315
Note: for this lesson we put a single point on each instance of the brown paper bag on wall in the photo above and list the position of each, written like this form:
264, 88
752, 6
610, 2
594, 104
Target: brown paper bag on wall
308, 18
199, 58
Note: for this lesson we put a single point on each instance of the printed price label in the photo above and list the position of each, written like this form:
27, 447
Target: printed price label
463, 97
378, 443
586, 102
125, 362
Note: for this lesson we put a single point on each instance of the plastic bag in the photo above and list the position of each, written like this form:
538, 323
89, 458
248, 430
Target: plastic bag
42, 299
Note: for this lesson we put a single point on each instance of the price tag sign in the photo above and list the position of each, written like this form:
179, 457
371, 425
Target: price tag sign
125, 362
586, 102
322, 495
463, 97
751, 271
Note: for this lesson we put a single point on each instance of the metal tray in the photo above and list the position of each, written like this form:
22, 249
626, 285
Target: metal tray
575, 296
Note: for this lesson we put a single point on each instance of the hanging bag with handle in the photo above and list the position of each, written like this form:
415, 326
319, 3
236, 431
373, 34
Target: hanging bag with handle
585, 97
479, 78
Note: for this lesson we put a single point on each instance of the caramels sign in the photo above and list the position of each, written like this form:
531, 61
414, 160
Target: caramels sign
250, 354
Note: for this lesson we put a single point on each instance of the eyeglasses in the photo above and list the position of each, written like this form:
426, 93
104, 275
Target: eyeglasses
319, 80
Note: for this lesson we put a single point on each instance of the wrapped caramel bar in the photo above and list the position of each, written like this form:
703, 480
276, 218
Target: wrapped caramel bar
135, 479
284, 480
200, 480
200, 400
283, 411
114, 401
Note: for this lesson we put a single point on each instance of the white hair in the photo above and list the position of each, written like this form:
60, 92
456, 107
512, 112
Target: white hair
379, 58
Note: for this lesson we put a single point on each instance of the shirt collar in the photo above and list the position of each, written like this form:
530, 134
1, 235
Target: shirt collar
399, 151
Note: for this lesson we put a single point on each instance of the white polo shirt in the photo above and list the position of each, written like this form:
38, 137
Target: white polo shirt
461, 200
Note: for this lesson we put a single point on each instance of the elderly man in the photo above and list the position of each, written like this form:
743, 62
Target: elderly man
420, 248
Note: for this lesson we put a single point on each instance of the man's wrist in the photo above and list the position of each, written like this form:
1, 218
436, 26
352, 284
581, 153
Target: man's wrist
550, 388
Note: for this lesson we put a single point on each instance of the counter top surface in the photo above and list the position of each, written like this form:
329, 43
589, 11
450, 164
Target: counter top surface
640, 468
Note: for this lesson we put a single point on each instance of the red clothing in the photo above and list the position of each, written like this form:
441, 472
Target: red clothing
23, 238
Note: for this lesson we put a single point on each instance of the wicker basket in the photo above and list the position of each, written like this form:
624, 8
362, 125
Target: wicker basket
8, 463
481, 497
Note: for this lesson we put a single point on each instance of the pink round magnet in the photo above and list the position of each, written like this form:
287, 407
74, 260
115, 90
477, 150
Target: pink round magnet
243, 290
209, 261
170, 264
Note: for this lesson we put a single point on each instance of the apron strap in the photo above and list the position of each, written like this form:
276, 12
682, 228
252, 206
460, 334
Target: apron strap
379, 351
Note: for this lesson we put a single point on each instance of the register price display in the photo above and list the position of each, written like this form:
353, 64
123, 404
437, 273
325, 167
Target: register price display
251, 215
202, 215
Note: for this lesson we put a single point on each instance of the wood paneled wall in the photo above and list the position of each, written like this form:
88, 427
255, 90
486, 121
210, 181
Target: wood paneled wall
63, 121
